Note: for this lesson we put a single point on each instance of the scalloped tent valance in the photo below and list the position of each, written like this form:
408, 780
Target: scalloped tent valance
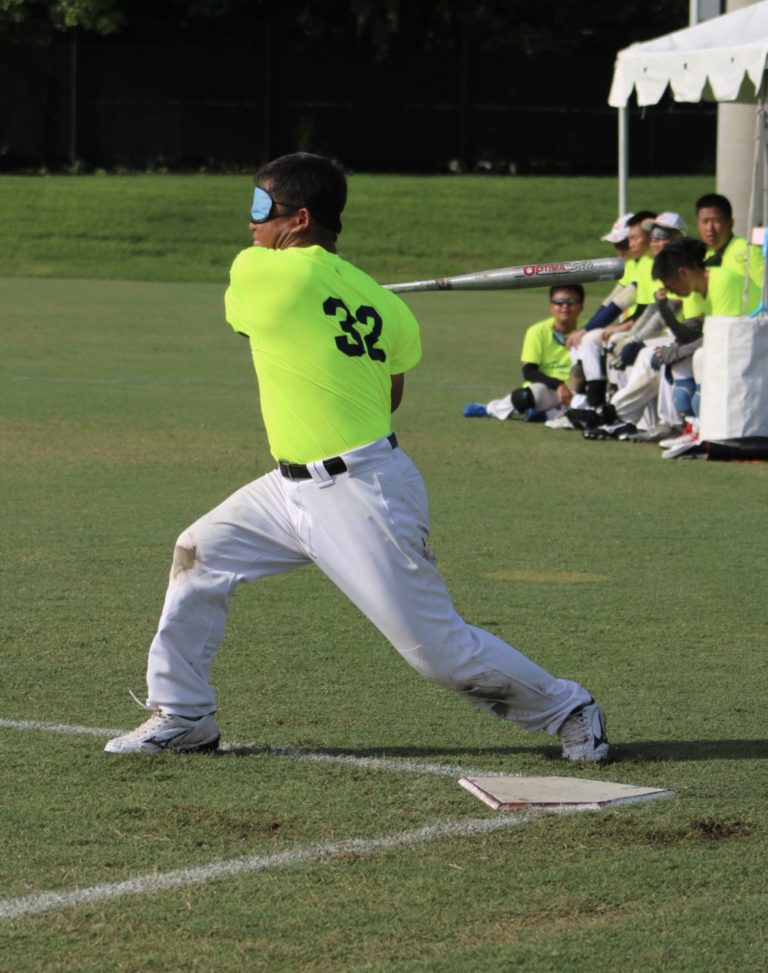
723, 59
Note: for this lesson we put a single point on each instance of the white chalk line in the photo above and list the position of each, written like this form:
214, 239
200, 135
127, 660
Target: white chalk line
180, 878
94, 731
385, 764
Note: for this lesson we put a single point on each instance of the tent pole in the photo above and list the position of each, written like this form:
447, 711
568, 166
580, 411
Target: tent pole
763, 147
762, 150
623, 160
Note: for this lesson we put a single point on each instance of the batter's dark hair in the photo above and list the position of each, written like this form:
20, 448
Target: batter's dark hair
577, 289
313, 181
685, 252
715, 201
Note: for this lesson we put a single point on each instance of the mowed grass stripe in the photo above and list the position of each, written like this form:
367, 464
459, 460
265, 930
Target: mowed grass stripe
155, 883
293, 753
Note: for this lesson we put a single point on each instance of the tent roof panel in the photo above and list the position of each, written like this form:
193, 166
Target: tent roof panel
723, 59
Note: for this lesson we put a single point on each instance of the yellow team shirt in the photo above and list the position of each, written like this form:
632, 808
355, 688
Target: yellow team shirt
325, 339
639, 272
725, 293
627, 278
630, 272
735, 259
541, 348
646, 285
694, 305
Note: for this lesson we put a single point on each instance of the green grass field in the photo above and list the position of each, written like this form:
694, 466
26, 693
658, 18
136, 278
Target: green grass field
128, 408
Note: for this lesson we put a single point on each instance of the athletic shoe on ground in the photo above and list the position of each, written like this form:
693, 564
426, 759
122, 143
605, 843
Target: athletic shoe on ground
672, 440
653, 435
610, 432
584, 418
475, 410
560, 422
692, 436
164, 731
583, 734
598, 433
535, 415
682, 446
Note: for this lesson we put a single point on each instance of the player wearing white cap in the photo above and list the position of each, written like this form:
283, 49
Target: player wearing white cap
618, 233
618, 310
632, 411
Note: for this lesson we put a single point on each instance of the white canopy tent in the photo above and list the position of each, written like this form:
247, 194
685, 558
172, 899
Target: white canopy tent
722, 59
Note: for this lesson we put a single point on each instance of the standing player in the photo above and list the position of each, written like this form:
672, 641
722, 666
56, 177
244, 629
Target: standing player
330, 347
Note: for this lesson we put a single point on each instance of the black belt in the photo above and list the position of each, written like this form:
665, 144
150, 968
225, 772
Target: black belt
334, 465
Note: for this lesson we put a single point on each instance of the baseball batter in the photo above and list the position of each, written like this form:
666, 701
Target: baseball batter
331, 348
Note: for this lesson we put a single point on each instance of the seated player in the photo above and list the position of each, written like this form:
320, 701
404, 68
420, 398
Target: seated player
683, 267
609, 319
547, 388
617, 236
624, 348
632, 413
714, 222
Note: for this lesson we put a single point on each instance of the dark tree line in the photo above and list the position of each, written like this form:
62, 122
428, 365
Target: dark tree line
524, 26
490, 85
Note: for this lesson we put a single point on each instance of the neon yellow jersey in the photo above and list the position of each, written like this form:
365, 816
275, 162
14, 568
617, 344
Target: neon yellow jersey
541, 348
725, 293
325, 338
694, 306
639, 272
630, 272
646, 285
735, 259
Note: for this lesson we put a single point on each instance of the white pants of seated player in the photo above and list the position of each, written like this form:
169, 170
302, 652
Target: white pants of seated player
544, 398
367, 530
698, 365
691, 367
636, 400
617, 377
590, 354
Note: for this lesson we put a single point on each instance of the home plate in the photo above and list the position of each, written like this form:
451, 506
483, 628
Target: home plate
506, 793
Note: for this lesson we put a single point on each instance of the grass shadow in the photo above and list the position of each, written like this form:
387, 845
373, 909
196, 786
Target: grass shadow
643, 751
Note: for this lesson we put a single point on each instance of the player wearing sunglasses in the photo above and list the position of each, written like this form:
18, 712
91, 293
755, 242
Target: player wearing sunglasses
548, 382
330, 347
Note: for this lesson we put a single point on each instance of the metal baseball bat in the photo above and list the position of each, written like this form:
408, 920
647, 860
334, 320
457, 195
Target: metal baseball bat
526, 275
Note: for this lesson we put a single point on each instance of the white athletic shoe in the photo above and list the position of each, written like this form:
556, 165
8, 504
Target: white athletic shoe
559, 422
583, 734
686, 443
165, 731
690, 429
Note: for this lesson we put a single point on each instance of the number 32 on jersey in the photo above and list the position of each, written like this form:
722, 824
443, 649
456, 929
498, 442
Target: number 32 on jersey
353, 342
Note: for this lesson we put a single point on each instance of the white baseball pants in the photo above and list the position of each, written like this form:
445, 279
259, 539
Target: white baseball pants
367, 530
544, 398
637, 399
590, 354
